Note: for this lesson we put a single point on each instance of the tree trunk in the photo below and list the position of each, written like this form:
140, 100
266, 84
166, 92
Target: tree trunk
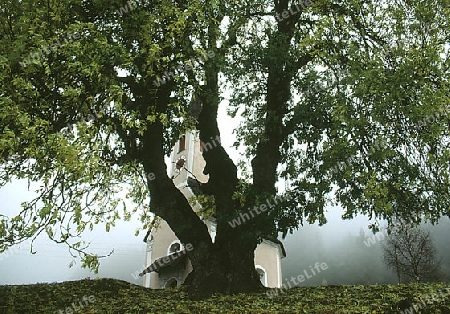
222, 270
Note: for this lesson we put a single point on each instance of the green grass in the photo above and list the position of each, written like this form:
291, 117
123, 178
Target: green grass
116, 296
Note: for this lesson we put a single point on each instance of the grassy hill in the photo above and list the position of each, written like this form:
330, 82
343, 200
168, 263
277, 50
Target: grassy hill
116, 296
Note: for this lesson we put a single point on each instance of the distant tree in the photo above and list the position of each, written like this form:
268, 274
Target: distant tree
411, 252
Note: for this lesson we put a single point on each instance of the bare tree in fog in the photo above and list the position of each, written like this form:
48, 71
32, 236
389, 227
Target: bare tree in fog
411, 252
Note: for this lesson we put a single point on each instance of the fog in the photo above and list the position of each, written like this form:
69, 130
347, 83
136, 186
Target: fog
351, 251
51, 261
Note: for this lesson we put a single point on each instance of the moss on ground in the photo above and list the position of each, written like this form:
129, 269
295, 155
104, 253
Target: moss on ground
116, 296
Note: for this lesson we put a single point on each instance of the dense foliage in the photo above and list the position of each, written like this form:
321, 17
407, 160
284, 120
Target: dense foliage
348, 102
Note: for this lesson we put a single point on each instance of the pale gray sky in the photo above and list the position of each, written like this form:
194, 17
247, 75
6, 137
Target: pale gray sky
50, 263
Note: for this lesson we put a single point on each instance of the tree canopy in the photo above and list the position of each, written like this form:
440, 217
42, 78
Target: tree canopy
347, 102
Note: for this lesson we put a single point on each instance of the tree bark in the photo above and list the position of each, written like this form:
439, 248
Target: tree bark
226, 266
222, 270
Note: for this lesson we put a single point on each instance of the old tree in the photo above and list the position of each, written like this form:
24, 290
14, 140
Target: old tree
347, 101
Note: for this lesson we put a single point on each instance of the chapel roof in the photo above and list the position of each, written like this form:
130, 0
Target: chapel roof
174, 260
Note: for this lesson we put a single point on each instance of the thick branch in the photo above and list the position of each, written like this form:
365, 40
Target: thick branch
166, 200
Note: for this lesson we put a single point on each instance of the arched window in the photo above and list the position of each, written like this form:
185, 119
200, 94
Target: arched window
174, 247
182, 144
262, 274
171, 283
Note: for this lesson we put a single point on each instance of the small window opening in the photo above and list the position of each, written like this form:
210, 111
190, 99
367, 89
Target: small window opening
182, 144
175, 247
